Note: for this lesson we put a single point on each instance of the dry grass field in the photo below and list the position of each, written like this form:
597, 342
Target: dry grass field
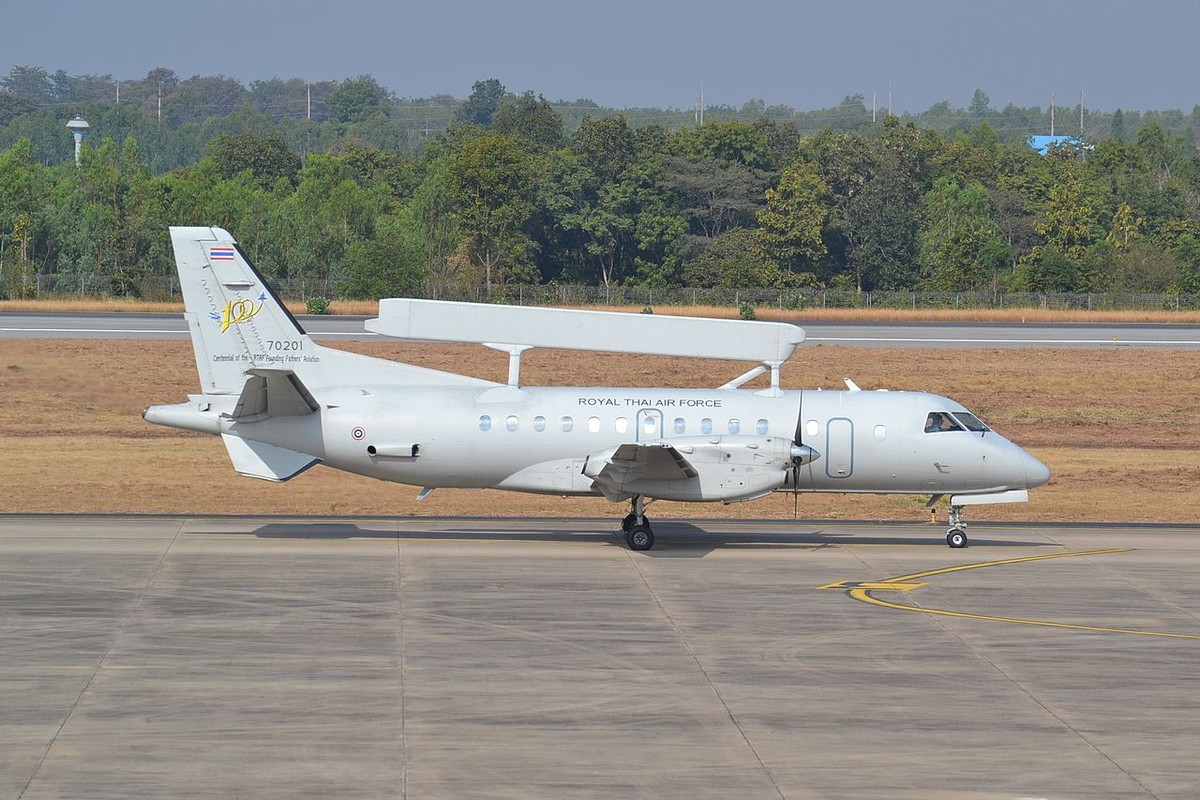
1120, 429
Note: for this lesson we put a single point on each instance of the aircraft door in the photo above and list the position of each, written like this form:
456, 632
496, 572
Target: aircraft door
839, 448
649, 425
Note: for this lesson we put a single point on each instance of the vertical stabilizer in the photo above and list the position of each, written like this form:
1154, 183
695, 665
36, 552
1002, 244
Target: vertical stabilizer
236, 321
238, 324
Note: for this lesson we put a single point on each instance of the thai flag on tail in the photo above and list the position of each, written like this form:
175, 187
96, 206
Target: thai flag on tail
220, 254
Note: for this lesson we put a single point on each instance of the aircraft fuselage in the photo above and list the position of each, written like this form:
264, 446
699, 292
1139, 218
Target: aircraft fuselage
534, 439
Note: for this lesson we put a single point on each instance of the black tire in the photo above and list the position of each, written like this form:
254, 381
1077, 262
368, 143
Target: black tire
627, 523
640, 537
956, 538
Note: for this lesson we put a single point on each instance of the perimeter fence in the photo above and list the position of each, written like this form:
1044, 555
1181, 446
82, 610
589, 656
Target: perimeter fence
167, 288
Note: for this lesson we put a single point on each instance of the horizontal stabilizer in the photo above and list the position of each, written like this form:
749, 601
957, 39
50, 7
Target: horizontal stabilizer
273, 393
265, 461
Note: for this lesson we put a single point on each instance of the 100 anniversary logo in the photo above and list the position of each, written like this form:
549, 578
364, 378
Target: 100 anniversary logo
238, 311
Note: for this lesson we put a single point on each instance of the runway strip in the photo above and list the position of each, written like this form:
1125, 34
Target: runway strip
228, 656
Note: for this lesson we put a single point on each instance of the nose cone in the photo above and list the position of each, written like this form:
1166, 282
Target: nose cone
1036, 473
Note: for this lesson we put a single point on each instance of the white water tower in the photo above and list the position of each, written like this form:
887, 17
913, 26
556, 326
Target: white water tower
78, 126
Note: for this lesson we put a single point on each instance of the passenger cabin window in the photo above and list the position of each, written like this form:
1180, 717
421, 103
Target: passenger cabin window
706, 425
971, 422
622, 424
567, 424
650, 425
940, 422
735, 425
539, 423
512, 422
680, 425
593, 424
485, 423
762, 427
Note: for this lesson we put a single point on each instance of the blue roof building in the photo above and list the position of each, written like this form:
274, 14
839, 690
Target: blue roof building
1043, 143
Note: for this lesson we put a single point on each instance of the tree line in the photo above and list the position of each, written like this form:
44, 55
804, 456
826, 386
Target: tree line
511, 190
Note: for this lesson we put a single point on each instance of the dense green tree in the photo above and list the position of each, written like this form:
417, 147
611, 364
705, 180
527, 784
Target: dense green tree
356, 99
532, 190
13, 106
729, 143
21, 199
483, 103
31, 81
201, 98
1140, 267
732, 260
981, 104
389, 264
790, 226
961, 249
491, 183
431, 222
606, 146
530, 119
294, 98
714, 197
607, 201
265, 156
1069, 219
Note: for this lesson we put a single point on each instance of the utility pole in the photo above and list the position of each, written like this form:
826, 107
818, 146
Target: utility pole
160, 105
873, 98
308, 86
1052, 113
1081, 112
699, 111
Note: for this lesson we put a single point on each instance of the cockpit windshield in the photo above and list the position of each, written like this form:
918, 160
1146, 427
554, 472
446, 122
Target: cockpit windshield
943, 421
940, 422
971, 422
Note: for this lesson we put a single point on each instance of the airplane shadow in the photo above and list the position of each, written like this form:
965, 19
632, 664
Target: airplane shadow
685, 540
672, 539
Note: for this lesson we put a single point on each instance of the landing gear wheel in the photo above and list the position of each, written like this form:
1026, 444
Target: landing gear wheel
956, 538
631, 520
640, 537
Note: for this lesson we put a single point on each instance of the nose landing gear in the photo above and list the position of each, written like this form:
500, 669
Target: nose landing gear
956, 536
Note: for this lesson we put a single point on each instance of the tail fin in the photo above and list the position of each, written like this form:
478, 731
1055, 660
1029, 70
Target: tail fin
238, 324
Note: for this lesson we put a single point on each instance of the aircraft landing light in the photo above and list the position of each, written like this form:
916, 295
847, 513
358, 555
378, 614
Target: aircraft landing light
875, 585
862, 592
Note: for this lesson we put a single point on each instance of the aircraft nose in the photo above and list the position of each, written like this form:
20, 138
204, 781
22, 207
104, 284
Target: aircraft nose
1036, 473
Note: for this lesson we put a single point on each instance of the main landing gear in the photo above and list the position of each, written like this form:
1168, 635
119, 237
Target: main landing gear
956, 536
637, 526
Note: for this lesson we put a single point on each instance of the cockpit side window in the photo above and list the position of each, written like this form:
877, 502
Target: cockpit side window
971, 422
940, 422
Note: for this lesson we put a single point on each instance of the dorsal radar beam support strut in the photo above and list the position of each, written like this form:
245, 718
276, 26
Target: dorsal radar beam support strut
746, 377
514, 359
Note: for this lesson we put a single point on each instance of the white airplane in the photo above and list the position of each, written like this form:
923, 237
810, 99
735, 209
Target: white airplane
282, 403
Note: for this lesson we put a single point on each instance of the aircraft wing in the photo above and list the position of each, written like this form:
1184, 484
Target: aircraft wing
637, 462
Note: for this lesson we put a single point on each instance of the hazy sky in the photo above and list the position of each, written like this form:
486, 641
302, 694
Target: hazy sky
625, 53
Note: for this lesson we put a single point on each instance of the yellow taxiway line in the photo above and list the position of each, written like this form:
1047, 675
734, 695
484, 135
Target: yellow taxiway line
904, 583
